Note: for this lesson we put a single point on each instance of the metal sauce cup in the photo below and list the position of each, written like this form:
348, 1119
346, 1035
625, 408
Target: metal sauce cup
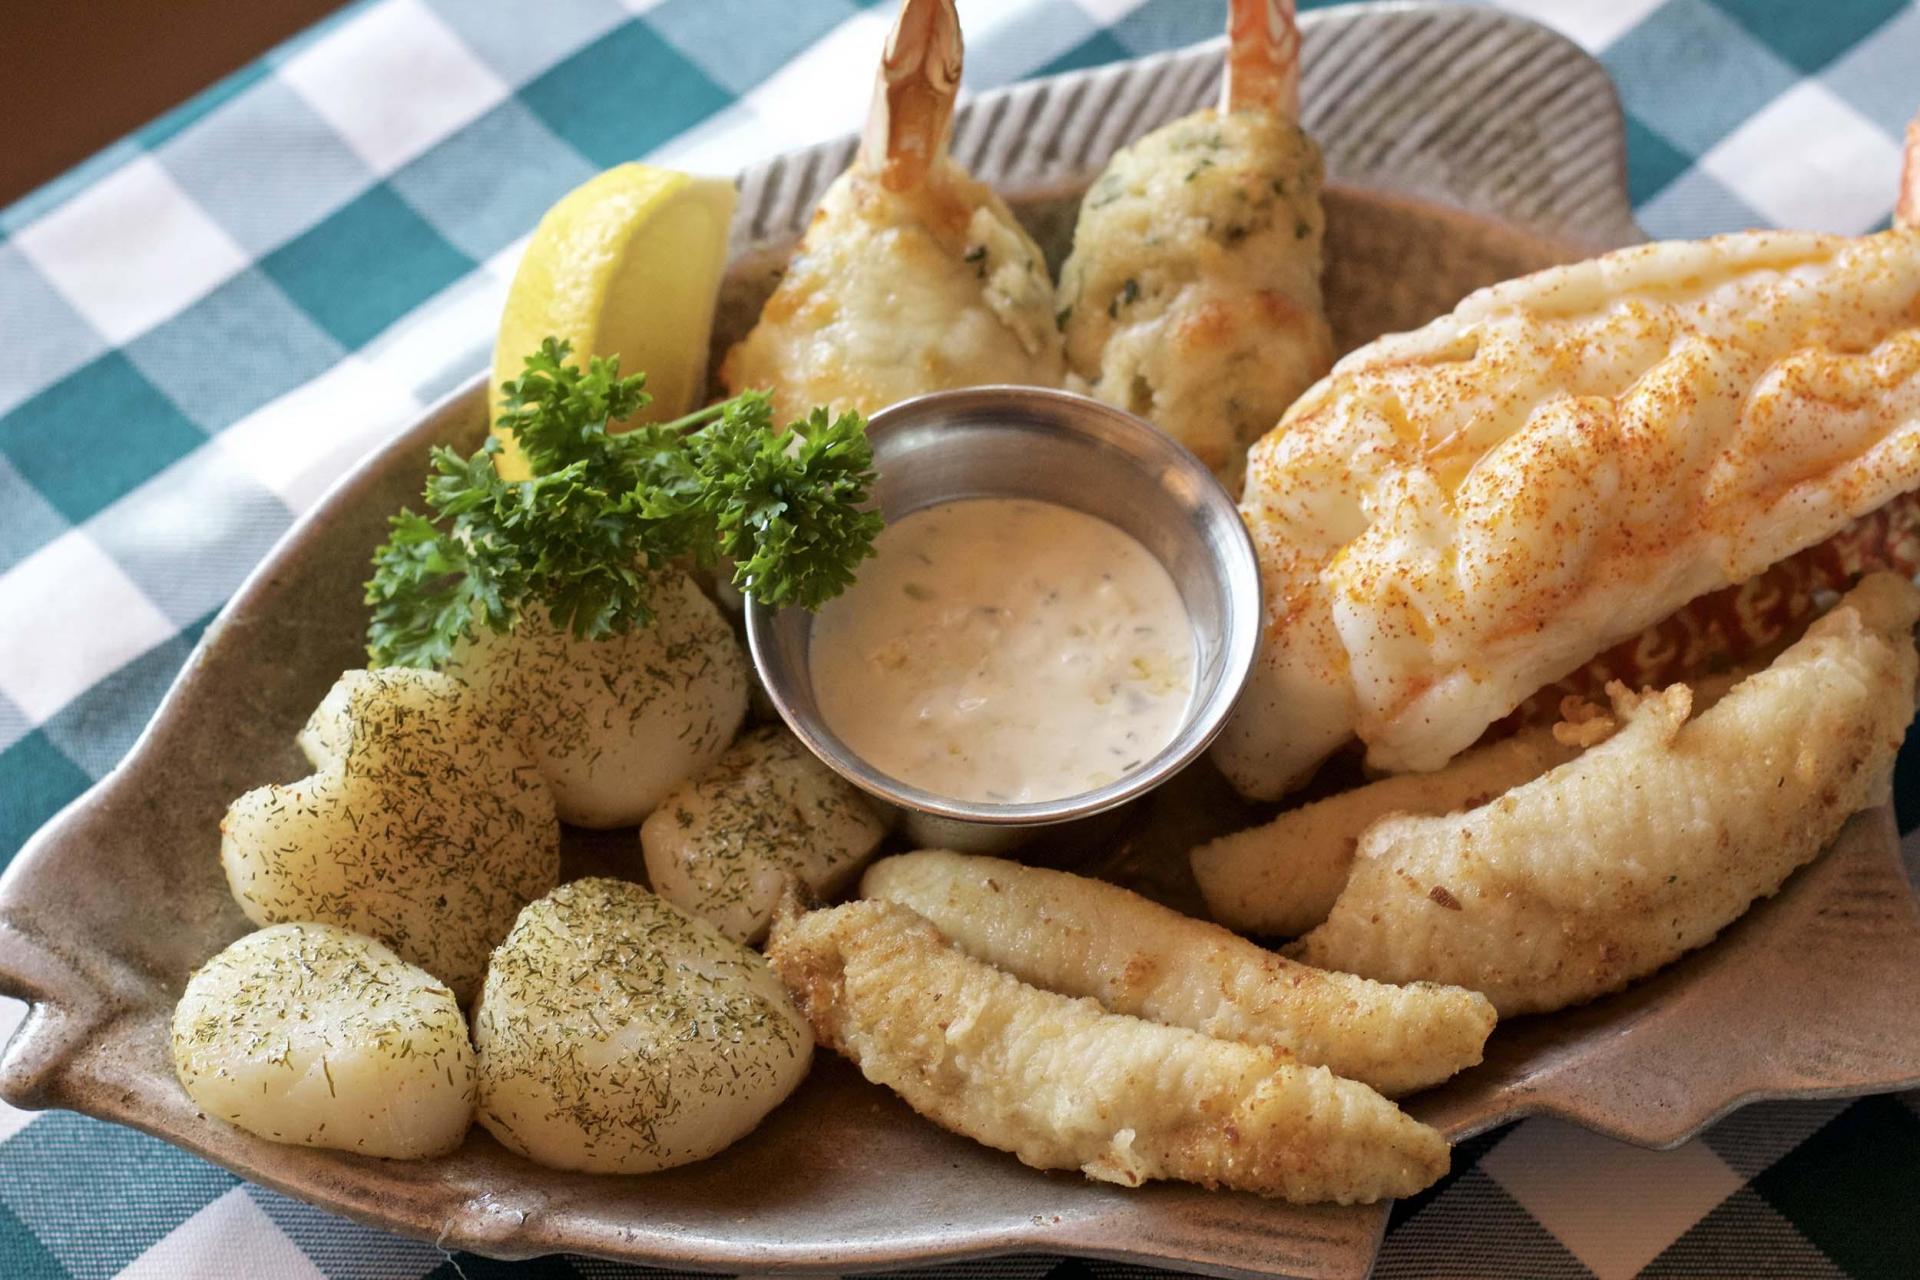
1051, 446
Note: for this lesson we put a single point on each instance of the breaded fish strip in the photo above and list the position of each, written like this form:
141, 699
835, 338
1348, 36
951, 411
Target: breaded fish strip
1063, 1084
1283, 876
1084, 937
1605, 869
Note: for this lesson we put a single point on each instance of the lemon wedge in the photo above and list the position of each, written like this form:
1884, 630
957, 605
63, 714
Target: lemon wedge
628, 264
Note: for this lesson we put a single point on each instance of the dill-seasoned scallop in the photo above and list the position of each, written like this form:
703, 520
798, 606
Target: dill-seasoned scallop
613, 724
724, 845
313, 1035
423, 825
617, 1034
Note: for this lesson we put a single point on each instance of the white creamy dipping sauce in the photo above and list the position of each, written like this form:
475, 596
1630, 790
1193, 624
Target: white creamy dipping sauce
1005, 650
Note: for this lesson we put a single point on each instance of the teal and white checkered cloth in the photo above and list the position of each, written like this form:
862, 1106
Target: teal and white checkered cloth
205, 324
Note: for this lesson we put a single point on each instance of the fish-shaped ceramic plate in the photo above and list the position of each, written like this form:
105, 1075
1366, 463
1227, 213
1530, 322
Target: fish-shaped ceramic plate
1466, 146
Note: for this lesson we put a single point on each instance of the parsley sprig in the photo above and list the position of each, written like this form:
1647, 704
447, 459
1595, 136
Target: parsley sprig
603, 511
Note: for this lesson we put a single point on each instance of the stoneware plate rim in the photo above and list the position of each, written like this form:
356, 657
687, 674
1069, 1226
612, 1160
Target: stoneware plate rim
77, 996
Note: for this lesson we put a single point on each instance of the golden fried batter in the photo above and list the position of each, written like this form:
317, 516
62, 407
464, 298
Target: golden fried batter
1283, 876
1648, 845
1085, 937
1063, 1084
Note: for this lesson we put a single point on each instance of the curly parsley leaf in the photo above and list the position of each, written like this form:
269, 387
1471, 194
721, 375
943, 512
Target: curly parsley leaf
604, 510
787, 513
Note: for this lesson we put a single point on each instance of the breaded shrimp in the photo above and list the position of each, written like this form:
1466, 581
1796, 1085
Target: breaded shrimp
1192, 296
912, 277
1605, 869
1063, 1084
1083, 937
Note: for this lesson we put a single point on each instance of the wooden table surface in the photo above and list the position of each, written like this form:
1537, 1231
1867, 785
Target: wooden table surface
79, 74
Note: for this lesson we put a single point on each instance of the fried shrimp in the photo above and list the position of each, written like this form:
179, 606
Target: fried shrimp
1459, 516
911, 277
1083, 937
1192, 296
1605, 869
1063, 1084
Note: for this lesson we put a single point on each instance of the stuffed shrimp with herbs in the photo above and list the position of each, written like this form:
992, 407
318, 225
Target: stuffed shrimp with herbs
1192, 295
911, 277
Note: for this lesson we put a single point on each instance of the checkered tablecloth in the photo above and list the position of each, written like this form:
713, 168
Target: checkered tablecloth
205, 324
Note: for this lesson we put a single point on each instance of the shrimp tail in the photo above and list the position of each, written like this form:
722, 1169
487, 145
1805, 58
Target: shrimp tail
1263, 58
913, 95
1906, 210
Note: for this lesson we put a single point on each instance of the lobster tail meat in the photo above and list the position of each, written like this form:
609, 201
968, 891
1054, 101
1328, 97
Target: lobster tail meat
1459, 516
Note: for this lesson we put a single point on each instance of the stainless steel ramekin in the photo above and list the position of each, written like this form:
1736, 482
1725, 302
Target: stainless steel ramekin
1053, 446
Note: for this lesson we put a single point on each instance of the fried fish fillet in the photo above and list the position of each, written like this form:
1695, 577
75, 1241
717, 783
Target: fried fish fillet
1084, 937
1460, 515
1283, 876
1605, 869
1063, 1084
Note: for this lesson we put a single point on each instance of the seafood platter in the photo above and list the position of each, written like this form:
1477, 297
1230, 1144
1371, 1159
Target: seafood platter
1050, 678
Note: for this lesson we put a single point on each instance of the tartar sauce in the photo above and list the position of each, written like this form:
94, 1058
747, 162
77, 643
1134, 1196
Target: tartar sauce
1005, 650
